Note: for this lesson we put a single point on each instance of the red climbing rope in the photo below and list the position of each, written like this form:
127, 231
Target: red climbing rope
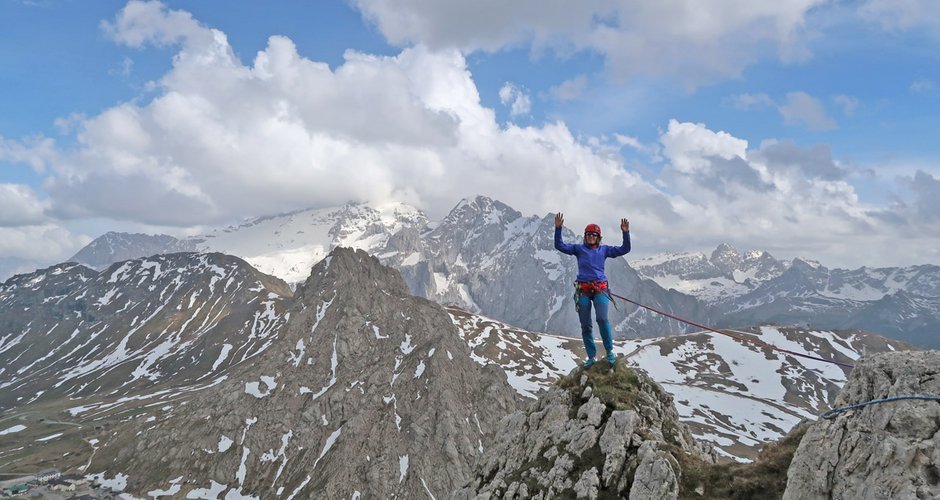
739, 339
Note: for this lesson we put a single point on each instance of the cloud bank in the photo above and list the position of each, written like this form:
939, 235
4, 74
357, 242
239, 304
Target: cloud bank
222, 139
696, 42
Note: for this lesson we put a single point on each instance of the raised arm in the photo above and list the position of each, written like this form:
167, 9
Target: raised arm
560, 245
625, 247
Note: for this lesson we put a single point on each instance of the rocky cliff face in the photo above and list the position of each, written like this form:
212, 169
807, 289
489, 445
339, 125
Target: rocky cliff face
600, 433
369, 391
888, 450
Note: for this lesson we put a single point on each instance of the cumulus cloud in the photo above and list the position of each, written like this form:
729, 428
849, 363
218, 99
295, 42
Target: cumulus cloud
788, 200
19, 206
43, 244
221, 140
813, 162
141, 23
689, 40
516, 98
926, 189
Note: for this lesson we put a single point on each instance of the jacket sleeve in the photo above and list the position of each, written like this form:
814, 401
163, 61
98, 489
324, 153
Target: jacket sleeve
621, 250
560, 245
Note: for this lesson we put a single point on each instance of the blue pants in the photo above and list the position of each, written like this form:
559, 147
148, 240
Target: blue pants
600, 301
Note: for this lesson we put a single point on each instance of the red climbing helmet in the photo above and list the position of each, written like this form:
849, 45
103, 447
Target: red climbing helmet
593, 228
596, 231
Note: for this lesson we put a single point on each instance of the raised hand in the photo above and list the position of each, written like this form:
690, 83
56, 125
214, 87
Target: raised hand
624, 224
560, 219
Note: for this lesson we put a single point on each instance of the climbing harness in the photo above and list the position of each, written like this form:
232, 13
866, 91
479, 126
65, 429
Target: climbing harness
829, 415
590, 287
738, 338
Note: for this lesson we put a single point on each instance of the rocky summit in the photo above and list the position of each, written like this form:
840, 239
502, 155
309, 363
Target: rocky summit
885, 450
601, 433
368, 392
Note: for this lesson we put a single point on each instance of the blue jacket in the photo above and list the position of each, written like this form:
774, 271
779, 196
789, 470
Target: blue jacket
591, 260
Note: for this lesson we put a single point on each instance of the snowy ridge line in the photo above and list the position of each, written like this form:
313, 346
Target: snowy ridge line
740, 339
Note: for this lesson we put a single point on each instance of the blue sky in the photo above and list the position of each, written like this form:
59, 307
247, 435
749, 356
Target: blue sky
806, 128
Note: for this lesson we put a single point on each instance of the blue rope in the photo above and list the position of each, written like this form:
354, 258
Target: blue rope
832, 413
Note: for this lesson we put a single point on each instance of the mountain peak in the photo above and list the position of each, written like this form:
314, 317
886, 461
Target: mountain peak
366, 389
353, 269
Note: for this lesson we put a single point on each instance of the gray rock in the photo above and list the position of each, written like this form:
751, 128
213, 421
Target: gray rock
655, 477
592, 411
888, 450
586, 487
614, 443
382, 399
560, 438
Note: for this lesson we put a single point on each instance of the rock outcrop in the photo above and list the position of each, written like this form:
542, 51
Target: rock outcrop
887, 450
600, 433
369, 392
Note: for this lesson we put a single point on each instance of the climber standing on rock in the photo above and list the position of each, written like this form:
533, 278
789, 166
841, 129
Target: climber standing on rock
591, 285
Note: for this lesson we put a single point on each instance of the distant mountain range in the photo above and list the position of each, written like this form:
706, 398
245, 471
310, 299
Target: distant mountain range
195, 372
488, 258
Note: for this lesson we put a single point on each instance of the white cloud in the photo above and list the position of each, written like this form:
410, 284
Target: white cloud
140, 23
789, 200
804, 109
37, 152
42, 244
926, 189
19, 206
570, 90
691, 146
692, 41
222, 140
650, 150
517, 99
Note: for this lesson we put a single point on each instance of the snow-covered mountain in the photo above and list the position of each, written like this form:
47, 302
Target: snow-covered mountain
194, 372
755, 288
483, 256
11, 266
486, 257
288, 245
216, 383
70, 331
721, 277
736, 396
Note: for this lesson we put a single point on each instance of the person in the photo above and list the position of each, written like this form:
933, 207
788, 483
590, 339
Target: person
591, 285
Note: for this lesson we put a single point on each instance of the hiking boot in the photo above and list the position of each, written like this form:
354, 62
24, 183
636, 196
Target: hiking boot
589, 363
611, 359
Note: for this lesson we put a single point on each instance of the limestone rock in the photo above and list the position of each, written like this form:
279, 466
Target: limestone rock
888, 450
563, 446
